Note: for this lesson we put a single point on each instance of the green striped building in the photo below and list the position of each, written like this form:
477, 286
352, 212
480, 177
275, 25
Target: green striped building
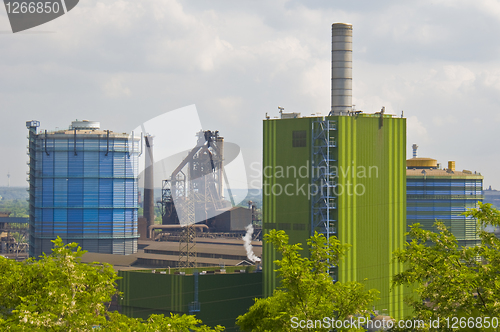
342, 176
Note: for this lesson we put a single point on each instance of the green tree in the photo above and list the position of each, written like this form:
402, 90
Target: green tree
59, 293
449, 281
307, 290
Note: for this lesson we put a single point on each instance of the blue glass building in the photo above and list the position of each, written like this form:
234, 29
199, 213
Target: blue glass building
435, 194
83, 188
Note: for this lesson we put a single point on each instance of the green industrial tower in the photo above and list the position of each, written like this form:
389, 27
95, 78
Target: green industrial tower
342, 176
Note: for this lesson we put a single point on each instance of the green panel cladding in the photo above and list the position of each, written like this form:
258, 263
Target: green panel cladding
222, 297
367, 194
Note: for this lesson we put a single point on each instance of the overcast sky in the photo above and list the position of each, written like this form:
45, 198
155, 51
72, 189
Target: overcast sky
125, 62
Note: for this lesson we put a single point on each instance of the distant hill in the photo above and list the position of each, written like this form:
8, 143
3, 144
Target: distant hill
14, 193
493, 197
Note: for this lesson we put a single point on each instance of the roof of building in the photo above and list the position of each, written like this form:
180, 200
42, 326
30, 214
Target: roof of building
115, 260
237, 242
208, 248
421, 162
87, 132
433, 172
202, 260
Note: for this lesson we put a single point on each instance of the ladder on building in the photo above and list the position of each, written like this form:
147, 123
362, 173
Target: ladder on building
324, 179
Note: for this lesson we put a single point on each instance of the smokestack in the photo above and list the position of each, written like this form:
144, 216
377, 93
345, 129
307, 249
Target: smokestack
341, 68
414, 147
149, 199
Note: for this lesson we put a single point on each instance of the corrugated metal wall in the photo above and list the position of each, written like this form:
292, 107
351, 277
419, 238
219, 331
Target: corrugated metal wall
222, 297
373, 222
372, 217
87, 195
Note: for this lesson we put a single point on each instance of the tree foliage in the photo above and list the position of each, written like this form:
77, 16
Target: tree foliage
449, 281
59, 293
307, 290
17, 207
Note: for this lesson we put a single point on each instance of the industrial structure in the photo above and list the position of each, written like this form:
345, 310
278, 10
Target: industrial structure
340, 175
13, 236
194, 194
83, 188
441, 194
216, 295
149, 199
195, 191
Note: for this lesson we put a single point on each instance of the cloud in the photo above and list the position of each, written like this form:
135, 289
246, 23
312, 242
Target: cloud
122, 62
416, 131
114, 88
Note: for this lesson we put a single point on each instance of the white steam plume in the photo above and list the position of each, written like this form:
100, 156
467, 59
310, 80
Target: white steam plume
247, 239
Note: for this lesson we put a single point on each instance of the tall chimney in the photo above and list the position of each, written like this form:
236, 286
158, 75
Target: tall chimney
414, 147
149, 197
341, 68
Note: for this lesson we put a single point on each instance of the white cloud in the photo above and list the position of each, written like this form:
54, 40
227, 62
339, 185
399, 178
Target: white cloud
114, 88
416, 131
440, 121
437, 60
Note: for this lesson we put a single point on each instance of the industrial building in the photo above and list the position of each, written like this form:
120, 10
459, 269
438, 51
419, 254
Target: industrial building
217, 296
13, 233
162, 254
441, 194
83, 188
341, 175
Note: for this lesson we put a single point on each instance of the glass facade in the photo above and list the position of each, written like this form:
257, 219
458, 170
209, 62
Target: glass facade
444, 198
83, 188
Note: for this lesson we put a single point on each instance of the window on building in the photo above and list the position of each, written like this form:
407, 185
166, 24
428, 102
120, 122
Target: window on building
299, 139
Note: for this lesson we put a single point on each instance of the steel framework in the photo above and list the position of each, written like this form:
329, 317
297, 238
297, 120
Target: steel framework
324, 181
323, 178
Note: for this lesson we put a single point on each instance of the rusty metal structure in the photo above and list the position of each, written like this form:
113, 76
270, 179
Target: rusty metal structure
194, 192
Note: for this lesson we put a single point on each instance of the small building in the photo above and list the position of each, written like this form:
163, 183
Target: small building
234, 219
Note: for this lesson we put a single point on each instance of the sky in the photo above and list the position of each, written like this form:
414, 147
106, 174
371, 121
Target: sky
125, 62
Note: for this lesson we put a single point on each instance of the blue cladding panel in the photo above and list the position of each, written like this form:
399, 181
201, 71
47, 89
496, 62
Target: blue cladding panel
89, 198
106, 221
105, 165
75, 164
75, 222
129, 222
91, 218
61, 221
105, 192
118, 193
48, 164
47, 222
129, 167
118, 222
91, 164
75, 192
91, 193
60, 192
61, 163
48, 192
119, 165
130, 191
